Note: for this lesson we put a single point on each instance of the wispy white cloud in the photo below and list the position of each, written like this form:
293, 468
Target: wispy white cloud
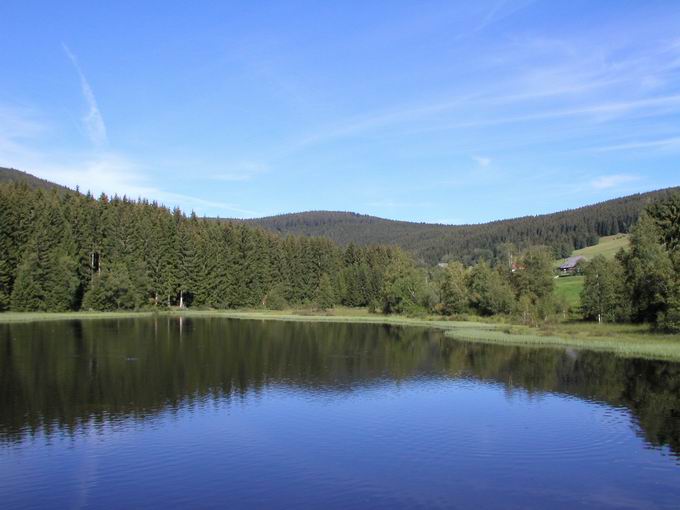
375, 120
16, 126
613, 181
599, 110
596, 111
482, 161
20, 123
92, 120
241, 172
539, 79
115, 174
392, 204
98, 171
663, 143
499, 11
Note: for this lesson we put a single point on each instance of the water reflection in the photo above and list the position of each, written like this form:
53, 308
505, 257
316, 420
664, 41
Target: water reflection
62, 376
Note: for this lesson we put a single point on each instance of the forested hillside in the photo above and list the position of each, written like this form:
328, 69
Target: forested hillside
67, 251
10, 175
64, 251
430, 243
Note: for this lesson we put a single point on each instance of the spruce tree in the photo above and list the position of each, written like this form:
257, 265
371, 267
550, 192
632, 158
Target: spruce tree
17, 222
47, 277
112, 289
325, 294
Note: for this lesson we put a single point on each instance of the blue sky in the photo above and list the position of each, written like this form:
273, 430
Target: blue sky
450, 112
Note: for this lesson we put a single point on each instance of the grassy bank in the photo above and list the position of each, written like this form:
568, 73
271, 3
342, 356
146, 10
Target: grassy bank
620, 339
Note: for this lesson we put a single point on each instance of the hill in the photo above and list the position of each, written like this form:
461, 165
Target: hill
12, 175
430, 243
564, 231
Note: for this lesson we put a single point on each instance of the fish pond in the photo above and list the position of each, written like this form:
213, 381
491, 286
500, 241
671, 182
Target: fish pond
174, 412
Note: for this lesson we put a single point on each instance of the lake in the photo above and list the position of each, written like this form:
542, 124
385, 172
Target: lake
226, 413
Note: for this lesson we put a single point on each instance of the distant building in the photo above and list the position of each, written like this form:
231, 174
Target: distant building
570, 265
443, 264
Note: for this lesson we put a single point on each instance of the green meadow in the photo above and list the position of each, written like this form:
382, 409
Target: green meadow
569, 288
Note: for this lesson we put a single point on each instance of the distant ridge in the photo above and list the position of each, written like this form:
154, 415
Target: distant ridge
13, 175
564, 231
430, 243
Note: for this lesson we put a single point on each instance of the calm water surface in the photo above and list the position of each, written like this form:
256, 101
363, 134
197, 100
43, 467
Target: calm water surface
217, 413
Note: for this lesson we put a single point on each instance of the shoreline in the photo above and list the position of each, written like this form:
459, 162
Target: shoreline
622, 340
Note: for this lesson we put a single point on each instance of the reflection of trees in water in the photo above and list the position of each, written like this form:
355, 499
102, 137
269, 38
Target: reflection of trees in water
59, 375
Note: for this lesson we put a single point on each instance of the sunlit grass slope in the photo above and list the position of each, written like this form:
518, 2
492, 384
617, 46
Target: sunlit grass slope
608, 247
569, 288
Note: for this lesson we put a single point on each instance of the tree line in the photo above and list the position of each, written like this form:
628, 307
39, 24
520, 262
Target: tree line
70, 251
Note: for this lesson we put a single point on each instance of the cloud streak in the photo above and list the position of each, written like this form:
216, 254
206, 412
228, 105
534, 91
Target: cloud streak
663, 143
98, 171
613, 181
482, 161
114, 174
92, 120
241, 172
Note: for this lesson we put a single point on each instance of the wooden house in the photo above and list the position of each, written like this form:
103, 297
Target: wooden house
571, 265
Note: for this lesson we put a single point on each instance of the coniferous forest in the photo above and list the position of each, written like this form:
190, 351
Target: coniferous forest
62, 250
428, 243
69, 251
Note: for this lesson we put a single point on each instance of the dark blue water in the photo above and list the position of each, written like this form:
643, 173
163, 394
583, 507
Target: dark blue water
247, 414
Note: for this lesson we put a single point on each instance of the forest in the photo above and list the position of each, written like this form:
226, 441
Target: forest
69, 251
429, 244
63, 251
